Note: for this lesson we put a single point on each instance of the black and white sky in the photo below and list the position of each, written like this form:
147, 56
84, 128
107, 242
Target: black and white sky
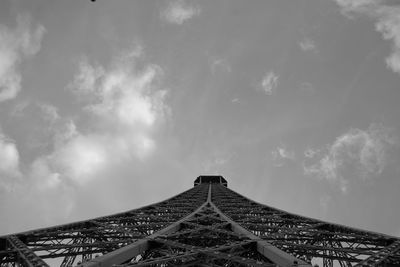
110, 105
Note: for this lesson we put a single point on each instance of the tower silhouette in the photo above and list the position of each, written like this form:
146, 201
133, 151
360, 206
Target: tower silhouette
207, 225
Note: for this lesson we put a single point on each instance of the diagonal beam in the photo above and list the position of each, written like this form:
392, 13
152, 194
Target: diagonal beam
125, 253
274, 254
213, 252
28, 257
381, 255
238, 259
198, 228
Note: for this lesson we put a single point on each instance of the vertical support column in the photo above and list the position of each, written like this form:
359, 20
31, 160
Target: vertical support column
209, 194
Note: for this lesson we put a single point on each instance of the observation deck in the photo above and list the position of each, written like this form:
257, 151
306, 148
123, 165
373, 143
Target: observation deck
210, 179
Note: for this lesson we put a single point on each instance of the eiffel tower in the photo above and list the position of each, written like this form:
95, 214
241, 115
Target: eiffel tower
207, 225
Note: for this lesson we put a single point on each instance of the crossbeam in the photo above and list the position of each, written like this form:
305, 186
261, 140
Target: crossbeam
125, 253
28, 258
128, 252
207, 225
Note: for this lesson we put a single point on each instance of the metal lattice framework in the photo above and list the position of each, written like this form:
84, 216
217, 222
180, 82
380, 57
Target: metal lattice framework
208, 225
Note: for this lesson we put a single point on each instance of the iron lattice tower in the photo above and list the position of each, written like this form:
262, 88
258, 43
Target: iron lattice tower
207, 225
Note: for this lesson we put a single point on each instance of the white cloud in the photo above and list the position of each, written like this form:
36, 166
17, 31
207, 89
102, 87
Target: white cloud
53, 203
38, 181
16, 45
216, 162
85, 80
387, 22
357, 153
126, 107
106, 147
9, 158
307, 88
45, 179
269, 83
324, 202
221, 65
310, 153
307, 45
124, 97
357, 6
19, 108
389, 25
50, 112
53, 195
177, 12
63, 131
280, 155
80, 158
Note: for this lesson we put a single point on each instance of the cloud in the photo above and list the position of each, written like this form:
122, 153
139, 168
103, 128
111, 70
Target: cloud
15, 46
307, 88
220, 65
19, 108
80, 158
50, 112
281, 155
53, 203
217, 161
19, 186
236, 100
123, 92
85, 81
357, 6
389, 25
357, 153
269, 83
324, 202
387, 19
122, 109
9, 164
310, 153
9, 158
125, 107
106, 145
177, 12
307, 45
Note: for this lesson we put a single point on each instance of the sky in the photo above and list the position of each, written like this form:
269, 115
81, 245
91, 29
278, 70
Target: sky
107, 106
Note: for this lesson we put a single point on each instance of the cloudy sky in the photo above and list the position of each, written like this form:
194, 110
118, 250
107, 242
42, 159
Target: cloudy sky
110, 105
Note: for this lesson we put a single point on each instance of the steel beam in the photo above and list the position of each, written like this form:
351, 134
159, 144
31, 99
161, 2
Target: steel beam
121, 255
125, 253
27, 256
218, 217
276, 255
382, 255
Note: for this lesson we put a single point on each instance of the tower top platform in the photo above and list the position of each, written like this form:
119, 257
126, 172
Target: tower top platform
210, 179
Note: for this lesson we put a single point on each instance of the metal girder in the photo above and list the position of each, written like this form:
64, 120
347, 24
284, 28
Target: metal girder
26, 256
204, 225
308, 238
382, 255
207, 225
105, 234
276, 255
130, 251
